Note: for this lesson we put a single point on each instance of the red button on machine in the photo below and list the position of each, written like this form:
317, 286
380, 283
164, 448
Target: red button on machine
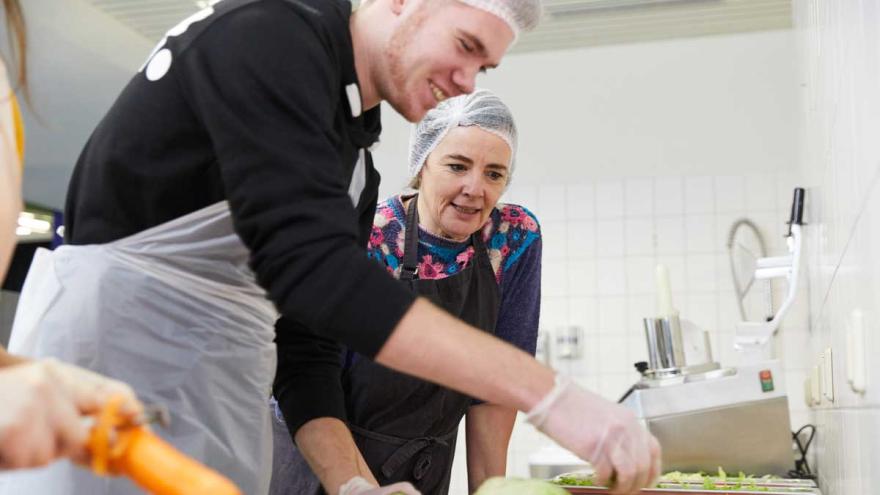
766, 380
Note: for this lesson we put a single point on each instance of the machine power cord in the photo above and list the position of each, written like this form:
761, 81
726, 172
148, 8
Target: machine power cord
802, 466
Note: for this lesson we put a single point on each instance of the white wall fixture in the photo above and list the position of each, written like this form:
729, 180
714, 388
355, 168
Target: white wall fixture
568, 342
855, 352
754, 338
808, 391
827, 362
542, 347
815, 386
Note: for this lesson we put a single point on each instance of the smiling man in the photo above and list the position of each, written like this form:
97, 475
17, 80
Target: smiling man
231, 181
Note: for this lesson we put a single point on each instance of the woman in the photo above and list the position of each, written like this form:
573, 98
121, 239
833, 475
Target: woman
11, 137
43, 400
453, 243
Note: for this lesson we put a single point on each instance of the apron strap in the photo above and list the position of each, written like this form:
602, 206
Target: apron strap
408, 448
481, 253
411, 242
410, 267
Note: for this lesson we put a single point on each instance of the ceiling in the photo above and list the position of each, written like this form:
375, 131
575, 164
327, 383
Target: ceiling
567, 24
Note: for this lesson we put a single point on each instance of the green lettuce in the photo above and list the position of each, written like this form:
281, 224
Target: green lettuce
515, 486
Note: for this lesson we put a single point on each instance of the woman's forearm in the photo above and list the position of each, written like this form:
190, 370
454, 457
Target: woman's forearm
488, 428
430, 344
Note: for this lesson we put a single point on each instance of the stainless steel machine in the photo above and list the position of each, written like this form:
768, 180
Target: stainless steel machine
706, 416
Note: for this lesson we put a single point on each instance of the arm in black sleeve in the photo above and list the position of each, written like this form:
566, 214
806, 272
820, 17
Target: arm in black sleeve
308, 382
266, 85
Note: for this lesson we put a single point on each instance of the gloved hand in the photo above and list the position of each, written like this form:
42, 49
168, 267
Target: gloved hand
623, 453
43, 405
360, 486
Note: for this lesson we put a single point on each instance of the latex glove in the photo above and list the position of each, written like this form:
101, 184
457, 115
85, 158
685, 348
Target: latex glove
623, 453
43, 405
360, 486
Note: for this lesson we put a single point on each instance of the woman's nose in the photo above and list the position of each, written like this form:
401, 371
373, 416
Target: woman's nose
473, 185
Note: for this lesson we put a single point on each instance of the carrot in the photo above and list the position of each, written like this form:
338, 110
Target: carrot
152, 463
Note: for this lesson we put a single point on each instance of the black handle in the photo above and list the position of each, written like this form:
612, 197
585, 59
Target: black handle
797, 208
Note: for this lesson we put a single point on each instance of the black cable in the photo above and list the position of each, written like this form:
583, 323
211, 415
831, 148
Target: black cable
802, 468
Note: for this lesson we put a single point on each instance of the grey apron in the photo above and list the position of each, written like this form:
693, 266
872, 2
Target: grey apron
405, 427
175, 312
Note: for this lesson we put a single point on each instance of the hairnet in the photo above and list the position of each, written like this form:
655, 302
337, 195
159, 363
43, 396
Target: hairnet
480, 108
520, 15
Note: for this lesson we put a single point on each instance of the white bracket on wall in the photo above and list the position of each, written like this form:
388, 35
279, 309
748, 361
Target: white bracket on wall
855, 352
753, 338
827, 363
569, 341
815, 387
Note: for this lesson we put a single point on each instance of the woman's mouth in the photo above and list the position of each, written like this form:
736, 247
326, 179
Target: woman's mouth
466, 210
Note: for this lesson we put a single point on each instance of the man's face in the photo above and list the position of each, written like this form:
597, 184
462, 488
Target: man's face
436, 51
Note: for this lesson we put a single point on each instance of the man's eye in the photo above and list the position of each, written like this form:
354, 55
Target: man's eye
457, 167
466, 46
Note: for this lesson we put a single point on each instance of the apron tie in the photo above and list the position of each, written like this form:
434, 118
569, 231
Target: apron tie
407, 450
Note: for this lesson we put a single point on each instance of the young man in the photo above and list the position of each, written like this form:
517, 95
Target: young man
242, 145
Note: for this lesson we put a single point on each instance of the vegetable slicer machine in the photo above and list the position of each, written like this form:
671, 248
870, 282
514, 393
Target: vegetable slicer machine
706, 416
735, 418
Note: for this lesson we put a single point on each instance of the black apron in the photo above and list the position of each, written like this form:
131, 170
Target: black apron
406, 427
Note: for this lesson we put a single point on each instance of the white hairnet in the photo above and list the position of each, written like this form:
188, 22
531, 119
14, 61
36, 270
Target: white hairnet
480, 108
520, 15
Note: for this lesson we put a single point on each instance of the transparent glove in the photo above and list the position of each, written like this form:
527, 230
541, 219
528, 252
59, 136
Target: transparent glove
625, 455
360, 486
43, 405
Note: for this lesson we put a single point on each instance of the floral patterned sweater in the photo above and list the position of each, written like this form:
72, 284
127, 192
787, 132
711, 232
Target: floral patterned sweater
513, 238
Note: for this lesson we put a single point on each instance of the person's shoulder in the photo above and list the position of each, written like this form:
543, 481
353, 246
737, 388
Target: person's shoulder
294, 19
508, 217
388, 211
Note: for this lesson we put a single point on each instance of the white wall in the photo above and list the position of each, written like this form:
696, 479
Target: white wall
633, 155
839, 71
80, 59
680, 107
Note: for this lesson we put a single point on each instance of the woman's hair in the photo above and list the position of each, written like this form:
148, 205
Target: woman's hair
415, 182
15, 30
482, 109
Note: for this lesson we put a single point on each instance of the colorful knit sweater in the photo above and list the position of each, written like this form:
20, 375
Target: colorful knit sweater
513, 238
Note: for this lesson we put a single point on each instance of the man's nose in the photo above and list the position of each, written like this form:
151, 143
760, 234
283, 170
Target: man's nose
465, 79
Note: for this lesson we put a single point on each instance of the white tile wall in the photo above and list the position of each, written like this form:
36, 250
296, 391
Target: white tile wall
839, 46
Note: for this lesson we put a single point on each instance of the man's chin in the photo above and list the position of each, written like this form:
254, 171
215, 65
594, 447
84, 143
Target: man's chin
413, 111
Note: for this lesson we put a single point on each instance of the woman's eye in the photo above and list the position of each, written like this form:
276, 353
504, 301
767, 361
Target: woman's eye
465, 45
457, 167
496, 176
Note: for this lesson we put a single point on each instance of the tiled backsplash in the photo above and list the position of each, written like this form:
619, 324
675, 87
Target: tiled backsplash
602, 242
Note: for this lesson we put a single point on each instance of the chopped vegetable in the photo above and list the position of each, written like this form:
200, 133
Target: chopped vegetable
676, 479
514, 486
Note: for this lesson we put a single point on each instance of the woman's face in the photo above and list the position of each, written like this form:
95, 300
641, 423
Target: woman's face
461, 182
